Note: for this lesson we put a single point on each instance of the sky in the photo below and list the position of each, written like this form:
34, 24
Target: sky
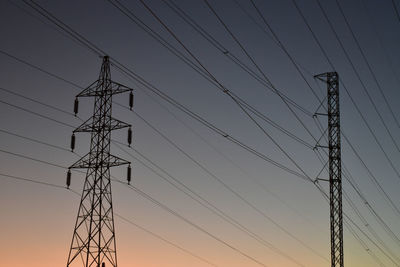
280, 219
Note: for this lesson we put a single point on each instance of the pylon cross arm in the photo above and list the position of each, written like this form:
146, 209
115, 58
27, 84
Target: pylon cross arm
96, 89
89, 126
87, 162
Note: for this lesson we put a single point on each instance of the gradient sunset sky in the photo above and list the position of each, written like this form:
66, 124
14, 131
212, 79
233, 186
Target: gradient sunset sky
43, 65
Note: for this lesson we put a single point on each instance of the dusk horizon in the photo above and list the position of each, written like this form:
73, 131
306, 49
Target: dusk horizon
171, 133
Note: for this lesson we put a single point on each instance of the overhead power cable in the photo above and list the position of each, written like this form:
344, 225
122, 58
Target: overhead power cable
276, 38
229, 54
39, 69
207, 204
373, 76
132, 223
258, 238
34, 140
236, 99
126, 70
368, 226
378, 85
36, 113
208, 172
30, 139
165, 97
352, 99
284, 49
226, 186
224, 215
31, 180
189, 222
383, 48
257, 67
349, 223
150, 198
206, 74
221, 87
59, 166
386, 228
380, 188
49, 118
396, 10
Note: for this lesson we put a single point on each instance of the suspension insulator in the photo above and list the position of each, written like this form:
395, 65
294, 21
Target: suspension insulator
129, 136
76, 106
72, 142
130, 100
128, 174
68, 178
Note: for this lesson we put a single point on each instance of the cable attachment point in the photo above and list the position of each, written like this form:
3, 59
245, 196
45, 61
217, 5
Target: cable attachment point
76, 106
68, 182
128, 174
131, 100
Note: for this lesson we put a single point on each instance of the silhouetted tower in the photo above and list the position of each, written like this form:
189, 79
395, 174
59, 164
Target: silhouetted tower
93, 241
335, 167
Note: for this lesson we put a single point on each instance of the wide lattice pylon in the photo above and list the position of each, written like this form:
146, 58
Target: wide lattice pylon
335, 167
93, 242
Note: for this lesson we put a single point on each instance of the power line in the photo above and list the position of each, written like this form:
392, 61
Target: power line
36, 101
172, 101
354, 185
373, 76
351, 98
229, 54
31, 180
380, 188
283, 47
348, 222
258, 68
372, 73
194, 225
144, 195
39, 69
196, 162
131, 155
132, 223
396, 11
206, 74
60, 148
34, 140
165, 240
46, 162
384, 49
32, 158
226, 186
75, 35
280, 44
236, 99
36, 114
207, 204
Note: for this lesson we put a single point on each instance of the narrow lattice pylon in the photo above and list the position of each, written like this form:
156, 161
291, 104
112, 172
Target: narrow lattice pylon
335, 168
93, 241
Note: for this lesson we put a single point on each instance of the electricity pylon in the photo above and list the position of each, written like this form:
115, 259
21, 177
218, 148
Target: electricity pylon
335, 167
93, 241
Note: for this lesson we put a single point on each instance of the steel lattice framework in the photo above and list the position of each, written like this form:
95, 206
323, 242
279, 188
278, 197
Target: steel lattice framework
93, 241
335, 168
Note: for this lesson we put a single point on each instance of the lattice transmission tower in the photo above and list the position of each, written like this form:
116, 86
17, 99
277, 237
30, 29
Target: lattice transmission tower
93, 240
335, 167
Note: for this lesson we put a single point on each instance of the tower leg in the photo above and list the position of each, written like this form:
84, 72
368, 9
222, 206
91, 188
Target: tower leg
335, 168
